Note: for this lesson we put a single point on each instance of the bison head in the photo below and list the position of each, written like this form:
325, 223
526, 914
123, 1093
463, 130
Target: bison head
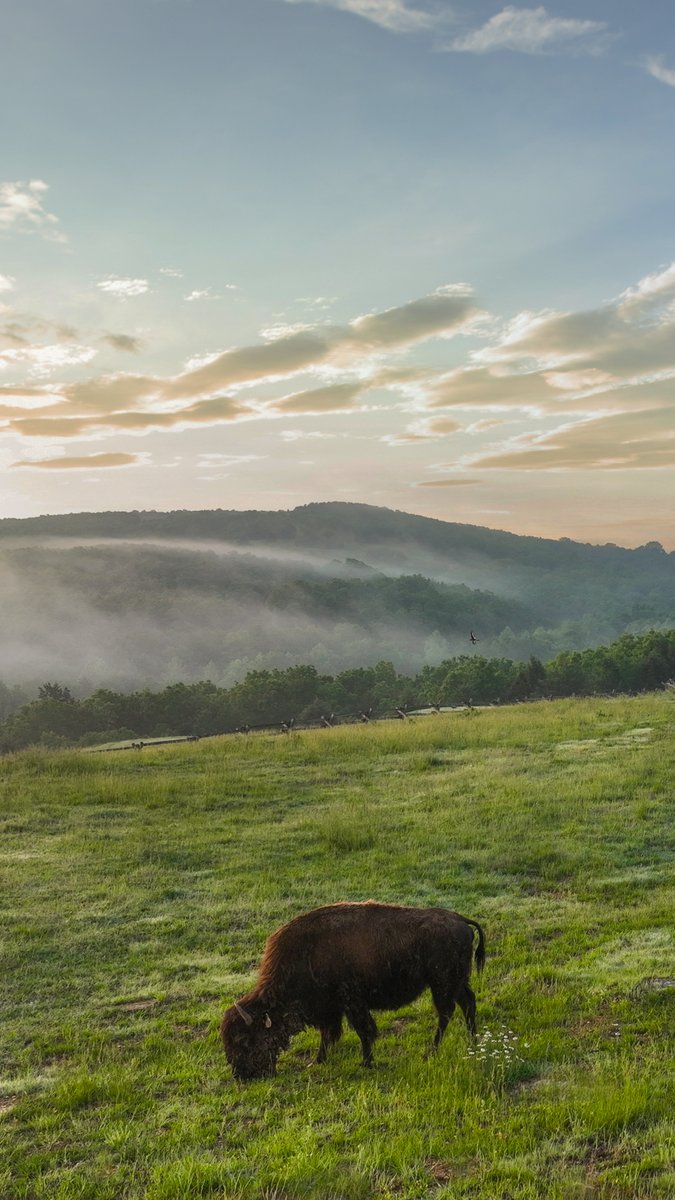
253, 1038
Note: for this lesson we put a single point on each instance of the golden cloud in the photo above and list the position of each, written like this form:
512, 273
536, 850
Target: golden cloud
87, 461
622, 440
333, 398
134, 401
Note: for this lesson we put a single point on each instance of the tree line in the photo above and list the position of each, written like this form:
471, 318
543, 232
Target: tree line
265, 697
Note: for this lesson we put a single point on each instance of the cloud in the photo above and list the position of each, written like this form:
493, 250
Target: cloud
650, 292
20, 389
282, 329
613, 366
300, 435
43, 360
631, 336
204, 412
655, 67
533, 31
445, 483
205, 294
208, 391
172, 272
443, 312
586, 368
484, 388
395, 15
333, 398
22, 210
295, 350
87, 461
123, 288
317, 302
620, 441
424, 431
123, 341
24, 328
109, 393
7, 283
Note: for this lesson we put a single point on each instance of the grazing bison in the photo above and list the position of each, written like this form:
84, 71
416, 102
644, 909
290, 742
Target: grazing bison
342, 961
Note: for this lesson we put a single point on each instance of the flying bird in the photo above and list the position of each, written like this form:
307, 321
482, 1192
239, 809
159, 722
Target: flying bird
472, 638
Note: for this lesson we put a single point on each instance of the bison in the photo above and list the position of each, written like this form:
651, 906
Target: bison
343, 960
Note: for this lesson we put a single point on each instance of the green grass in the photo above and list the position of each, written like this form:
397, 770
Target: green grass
137, 889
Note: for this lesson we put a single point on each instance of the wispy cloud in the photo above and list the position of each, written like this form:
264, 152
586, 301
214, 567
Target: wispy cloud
395, 15
333, 398
593, 389
302, 435
42, 361
7, 283
204, 294
620, 441
123, 288
614, 367
83, 462
654, 65
220, 389
123, 341
424, 431
22, 210
629, 338
533, 31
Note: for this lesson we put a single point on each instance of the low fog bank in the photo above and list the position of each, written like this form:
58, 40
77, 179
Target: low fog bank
130, 616
350, 558
128, 613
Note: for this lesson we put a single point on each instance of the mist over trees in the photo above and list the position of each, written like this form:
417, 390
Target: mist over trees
136, 600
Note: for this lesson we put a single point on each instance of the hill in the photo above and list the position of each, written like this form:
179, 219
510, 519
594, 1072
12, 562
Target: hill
137, 894
132, 599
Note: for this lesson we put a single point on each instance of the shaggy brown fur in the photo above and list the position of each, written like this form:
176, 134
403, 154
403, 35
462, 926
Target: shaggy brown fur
342, 961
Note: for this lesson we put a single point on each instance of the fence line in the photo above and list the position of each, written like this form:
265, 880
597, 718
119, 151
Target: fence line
291, 725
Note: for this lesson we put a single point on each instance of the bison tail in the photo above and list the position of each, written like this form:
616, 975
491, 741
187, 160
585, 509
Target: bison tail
480, 948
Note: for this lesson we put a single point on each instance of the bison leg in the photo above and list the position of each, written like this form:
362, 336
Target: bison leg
445, 1007
329, 1034
363, 1024
467, 1002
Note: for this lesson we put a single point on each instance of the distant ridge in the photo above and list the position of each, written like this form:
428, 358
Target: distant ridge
324, 524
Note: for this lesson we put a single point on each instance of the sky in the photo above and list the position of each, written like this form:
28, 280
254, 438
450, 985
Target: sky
412, 253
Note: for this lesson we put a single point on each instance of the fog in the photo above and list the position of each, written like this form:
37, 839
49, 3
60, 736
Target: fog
404, 557
125, 614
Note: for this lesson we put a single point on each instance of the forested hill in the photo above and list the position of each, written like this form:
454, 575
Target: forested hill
334, 524
146, 599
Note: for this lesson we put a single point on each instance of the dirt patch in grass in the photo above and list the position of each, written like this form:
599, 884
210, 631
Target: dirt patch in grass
654, 983
440, 1171
7, 1103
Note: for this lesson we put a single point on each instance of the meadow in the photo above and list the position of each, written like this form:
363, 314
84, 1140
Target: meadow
137, 890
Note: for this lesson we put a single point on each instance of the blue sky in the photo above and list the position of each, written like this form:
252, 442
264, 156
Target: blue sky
255, 253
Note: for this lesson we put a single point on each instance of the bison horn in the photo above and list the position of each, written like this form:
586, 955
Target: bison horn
246, 1017
268, 1021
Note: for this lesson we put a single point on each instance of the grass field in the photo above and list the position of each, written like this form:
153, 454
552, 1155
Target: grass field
137, 890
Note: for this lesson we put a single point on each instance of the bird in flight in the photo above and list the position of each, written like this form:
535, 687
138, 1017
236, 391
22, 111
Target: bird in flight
472, 638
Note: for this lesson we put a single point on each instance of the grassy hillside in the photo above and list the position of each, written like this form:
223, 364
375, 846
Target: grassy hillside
137, 890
